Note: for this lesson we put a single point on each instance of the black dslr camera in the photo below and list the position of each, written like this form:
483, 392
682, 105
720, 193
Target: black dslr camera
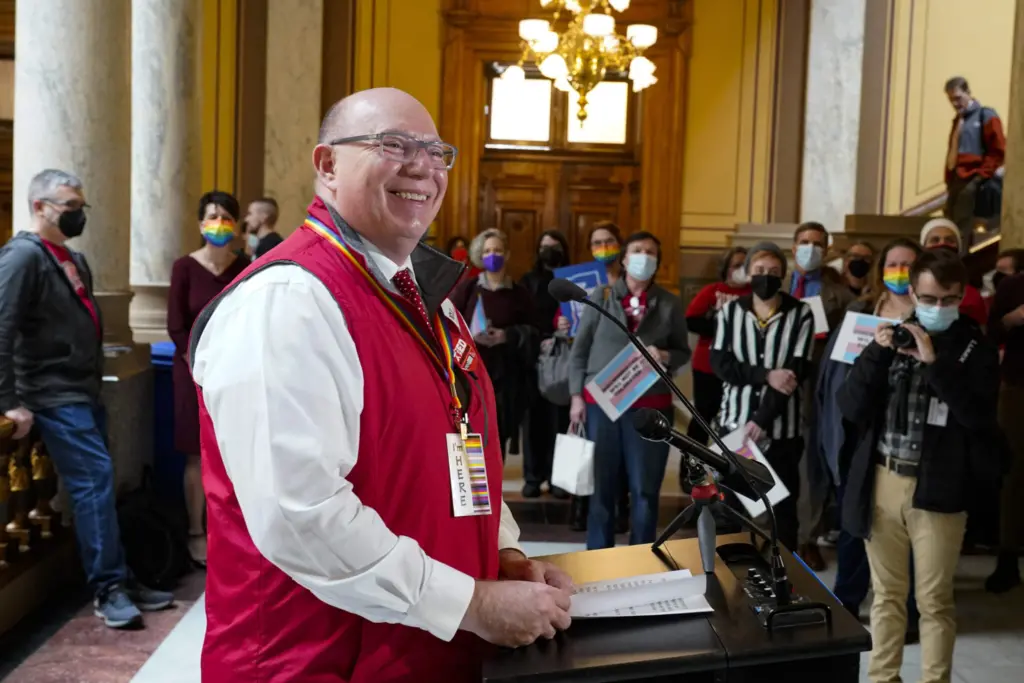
901, 336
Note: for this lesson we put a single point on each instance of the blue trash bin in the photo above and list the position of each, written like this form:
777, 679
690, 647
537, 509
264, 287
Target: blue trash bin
169, 465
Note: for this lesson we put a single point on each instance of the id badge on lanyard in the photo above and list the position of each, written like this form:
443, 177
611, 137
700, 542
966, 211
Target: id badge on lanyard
468, 472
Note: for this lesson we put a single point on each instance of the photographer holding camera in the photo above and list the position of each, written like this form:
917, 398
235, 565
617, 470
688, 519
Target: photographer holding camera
923, 399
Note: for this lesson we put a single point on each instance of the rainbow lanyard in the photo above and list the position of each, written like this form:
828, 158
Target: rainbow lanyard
404, 311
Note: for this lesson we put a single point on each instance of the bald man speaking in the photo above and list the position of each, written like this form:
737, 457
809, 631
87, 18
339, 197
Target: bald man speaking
349, 438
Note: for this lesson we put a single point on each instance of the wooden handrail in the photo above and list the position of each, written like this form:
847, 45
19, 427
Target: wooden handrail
6, 427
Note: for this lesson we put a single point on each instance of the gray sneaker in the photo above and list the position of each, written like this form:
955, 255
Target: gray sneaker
148, 599
116, 609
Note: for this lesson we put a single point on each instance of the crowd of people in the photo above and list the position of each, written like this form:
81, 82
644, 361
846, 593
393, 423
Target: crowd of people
293, 357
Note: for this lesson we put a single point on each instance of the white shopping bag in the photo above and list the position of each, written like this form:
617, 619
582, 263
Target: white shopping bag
573, 467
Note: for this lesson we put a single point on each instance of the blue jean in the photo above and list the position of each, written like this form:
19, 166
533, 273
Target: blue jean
617, 444
75, 436
853, 575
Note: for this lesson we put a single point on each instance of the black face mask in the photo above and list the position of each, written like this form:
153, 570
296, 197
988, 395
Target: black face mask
997, 277
72, 222
551, 256
765, 286
859, 268
947, 247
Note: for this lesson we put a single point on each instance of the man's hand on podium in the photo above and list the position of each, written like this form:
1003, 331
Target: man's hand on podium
530, 601
518, 567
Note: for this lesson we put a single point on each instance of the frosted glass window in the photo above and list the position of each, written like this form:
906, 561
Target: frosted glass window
607, 105
521, 110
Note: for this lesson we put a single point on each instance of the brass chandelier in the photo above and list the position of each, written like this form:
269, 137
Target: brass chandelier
580, 57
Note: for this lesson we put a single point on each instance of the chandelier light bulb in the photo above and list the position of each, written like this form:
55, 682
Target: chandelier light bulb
563, 84
617, 5
546, 42
642, 35
545, 3
610, 44
643, 82
531, 29
554, 67
598, 25
573, 6
640, 66
514, 74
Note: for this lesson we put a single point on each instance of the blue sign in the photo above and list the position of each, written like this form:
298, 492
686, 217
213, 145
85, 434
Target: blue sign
589, 276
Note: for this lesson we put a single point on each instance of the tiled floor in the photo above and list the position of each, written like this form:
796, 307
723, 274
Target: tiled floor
989, 649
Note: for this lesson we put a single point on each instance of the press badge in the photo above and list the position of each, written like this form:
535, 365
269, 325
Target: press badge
468, 472
938, 413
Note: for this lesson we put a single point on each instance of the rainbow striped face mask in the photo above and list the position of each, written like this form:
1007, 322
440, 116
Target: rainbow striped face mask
219, 232
897, 279
606, 254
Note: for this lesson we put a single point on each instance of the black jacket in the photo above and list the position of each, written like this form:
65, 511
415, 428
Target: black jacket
50, 354
957, 458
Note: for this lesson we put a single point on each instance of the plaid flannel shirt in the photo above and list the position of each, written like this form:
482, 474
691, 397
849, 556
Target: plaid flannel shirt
903, 441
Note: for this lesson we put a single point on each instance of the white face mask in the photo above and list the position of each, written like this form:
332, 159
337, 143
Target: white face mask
253, 240
808, 256
641, 266
739, 276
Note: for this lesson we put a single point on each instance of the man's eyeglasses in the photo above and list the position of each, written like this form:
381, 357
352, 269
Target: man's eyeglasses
70, 204
404, 148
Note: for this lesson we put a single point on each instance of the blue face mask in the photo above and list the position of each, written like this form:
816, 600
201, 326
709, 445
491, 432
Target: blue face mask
936, 318
808, 257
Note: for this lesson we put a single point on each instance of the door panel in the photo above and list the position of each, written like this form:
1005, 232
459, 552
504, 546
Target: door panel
526, 198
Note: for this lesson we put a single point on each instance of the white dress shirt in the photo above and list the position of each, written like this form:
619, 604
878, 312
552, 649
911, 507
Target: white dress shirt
283, 384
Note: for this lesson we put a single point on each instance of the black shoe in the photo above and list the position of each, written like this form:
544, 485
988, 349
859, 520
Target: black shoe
531, 490
578, 513
1006, 576
560, 494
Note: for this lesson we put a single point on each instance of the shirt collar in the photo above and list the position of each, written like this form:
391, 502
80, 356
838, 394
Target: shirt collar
387, 267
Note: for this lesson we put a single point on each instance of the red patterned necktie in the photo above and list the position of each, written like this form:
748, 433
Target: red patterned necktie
801, 286
407, 287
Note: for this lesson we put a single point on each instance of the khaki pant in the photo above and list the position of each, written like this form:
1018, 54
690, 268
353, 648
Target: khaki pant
896, 528
1011, 419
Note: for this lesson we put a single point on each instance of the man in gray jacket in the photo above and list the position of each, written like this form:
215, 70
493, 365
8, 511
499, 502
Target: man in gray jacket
51, 361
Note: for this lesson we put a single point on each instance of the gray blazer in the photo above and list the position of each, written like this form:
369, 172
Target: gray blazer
598, 340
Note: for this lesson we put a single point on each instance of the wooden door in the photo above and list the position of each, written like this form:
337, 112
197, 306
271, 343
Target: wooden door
523, 199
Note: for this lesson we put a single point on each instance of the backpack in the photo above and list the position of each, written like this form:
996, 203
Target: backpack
553, 367
154, 534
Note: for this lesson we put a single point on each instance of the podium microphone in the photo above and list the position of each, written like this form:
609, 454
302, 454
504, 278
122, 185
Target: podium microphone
564, 291
652, 425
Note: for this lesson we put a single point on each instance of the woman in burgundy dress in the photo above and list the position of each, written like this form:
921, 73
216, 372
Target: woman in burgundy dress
195, 280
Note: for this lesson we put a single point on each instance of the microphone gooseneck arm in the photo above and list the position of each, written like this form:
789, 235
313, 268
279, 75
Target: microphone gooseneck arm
778, 568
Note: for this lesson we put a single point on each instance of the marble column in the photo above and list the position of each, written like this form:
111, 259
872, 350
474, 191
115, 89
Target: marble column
72, 110
832, 115
165, 152
1012, 219
294, 66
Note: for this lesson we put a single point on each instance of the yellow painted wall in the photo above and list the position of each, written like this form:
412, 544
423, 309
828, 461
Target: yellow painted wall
218, 71
933, 40
398, 44
729, 116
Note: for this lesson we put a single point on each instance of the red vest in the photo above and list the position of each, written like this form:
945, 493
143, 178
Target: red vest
261, 625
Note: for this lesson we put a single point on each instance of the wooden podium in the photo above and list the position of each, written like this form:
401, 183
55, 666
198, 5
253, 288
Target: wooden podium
727, 645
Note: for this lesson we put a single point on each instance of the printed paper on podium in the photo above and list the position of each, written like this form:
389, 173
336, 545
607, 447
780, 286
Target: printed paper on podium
668, 593
745, 448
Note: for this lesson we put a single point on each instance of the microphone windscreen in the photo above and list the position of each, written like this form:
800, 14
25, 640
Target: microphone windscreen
563, 290
650, 423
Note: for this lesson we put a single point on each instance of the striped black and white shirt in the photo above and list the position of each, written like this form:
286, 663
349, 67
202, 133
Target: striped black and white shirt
743, 353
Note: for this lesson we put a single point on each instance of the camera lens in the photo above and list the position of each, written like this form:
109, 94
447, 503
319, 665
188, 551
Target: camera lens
902, 338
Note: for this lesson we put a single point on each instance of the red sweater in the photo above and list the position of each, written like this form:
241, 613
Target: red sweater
699, 319
974, 306
261, 624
